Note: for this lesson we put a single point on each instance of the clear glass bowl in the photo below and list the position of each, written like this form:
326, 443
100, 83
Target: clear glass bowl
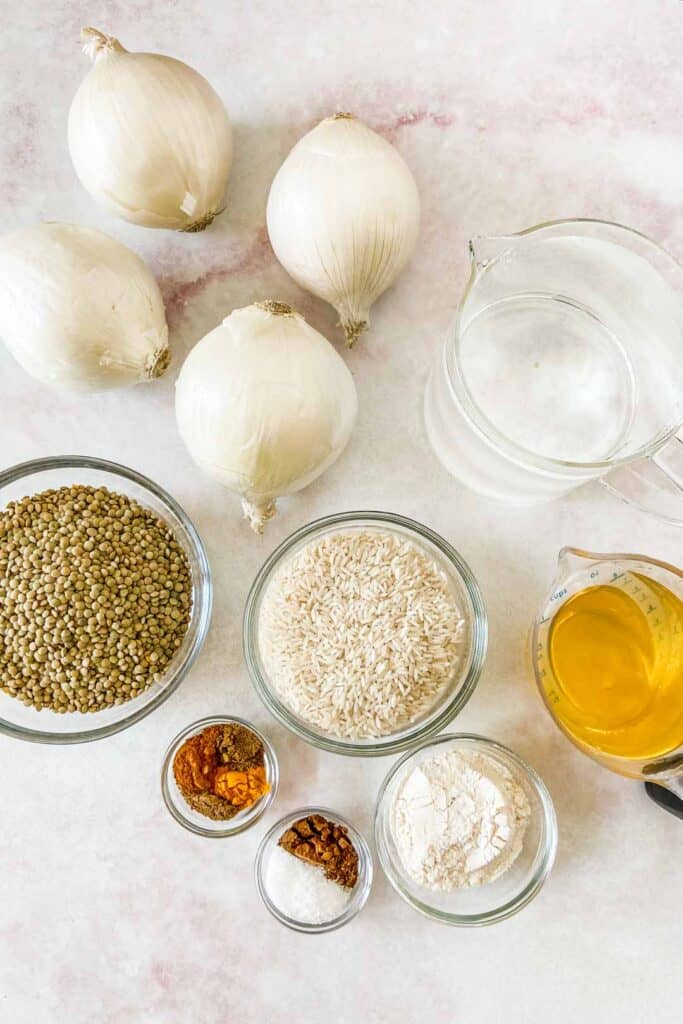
359, 894
467, 594
47, 726
483, 904
199, 823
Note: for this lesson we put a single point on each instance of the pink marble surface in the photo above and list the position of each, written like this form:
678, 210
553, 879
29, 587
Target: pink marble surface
509, 114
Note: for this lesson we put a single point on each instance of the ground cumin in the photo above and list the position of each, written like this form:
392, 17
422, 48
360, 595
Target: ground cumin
221, 770
321, 842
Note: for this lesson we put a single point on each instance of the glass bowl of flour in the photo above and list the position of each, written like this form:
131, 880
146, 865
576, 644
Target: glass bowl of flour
465, 830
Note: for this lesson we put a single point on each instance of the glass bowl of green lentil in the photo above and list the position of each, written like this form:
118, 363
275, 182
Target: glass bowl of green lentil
122, 709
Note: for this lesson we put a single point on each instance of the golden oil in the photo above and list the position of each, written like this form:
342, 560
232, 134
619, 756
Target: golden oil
616, 654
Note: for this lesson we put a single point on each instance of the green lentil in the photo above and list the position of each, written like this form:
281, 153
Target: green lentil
95, 598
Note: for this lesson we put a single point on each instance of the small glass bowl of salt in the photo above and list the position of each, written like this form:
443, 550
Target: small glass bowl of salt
297, 893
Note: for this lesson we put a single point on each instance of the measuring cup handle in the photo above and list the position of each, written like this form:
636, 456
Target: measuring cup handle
654, 484
668, 796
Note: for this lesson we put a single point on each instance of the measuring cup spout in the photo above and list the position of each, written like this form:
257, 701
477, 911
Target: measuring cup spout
573, 560
485, 248
570, 560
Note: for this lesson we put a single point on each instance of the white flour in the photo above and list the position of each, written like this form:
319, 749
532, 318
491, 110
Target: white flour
459, 819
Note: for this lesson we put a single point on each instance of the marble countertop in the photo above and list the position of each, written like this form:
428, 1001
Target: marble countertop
508, 114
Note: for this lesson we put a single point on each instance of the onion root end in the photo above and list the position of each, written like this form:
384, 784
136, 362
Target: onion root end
258, 514
353, 330
159, 363
202, 223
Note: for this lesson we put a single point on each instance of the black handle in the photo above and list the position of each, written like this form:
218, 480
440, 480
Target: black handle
665, 798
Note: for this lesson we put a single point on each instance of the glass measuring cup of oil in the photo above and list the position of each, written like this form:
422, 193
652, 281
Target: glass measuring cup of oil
565, 365
607, 650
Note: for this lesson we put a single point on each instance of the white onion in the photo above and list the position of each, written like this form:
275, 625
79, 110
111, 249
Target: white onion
149, 137
343, 216
80, 310
265, 404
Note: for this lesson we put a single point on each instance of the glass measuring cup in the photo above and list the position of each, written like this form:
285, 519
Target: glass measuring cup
662, 763
565, 365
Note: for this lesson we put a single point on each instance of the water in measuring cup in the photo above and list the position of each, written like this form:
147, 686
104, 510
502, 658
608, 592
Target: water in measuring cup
550, 377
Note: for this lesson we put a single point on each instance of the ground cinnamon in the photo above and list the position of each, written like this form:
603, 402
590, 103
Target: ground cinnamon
221, 770
322, 842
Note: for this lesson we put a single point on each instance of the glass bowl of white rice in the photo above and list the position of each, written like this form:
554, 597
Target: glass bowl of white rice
364, 633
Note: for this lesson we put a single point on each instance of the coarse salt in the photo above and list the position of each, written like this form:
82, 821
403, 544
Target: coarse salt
301, 891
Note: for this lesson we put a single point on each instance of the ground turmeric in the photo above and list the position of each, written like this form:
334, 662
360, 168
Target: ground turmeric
241, 789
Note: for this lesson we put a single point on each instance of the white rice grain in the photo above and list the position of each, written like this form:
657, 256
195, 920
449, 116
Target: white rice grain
360, 633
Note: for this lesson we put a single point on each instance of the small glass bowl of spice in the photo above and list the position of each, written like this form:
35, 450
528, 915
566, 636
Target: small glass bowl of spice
219, 776
465, 830
313, 870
